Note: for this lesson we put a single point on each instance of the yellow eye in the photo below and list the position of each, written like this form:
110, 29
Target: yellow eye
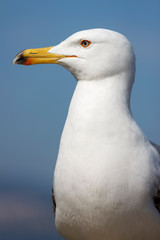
85, 43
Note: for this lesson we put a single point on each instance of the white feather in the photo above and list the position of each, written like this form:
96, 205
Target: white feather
107, 171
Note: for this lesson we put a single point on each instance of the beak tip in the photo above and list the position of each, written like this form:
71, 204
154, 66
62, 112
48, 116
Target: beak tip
19, 59
14, 61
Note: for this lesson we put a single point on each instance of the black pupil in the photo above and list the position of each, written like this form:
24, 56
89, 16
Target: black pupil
85, 43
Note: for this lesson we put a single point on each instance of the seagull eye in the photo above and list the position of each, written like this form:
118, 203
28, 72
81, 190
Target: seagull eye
85, 43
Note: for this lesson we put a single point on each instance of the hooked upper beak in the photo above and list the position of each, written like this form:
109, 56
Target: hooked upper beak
38, 56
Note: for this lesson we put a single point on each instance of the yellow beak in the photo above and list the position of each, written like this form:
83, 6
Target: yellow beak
37, 56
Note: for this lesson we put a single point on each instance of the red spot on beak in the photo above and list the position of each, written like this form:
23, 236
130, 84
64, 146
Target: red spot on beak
28, 61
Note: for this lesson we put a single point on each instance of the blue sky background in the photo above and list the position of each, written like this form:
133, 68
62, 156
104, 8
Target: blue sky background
34, 100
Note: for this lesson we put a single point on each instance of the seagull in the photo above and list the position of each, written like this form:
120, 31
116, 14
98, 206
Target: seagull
107, 176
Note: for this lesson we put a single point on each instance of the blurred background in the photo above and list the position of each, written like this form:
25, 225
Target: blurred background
34, 100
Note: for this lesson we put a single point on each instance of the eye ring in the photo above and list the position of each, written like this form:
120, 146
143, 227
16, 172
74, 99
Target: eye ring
85, 43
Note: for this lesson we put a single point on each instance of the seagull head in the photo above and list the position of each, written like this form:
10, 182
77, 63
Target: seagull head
88, 55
